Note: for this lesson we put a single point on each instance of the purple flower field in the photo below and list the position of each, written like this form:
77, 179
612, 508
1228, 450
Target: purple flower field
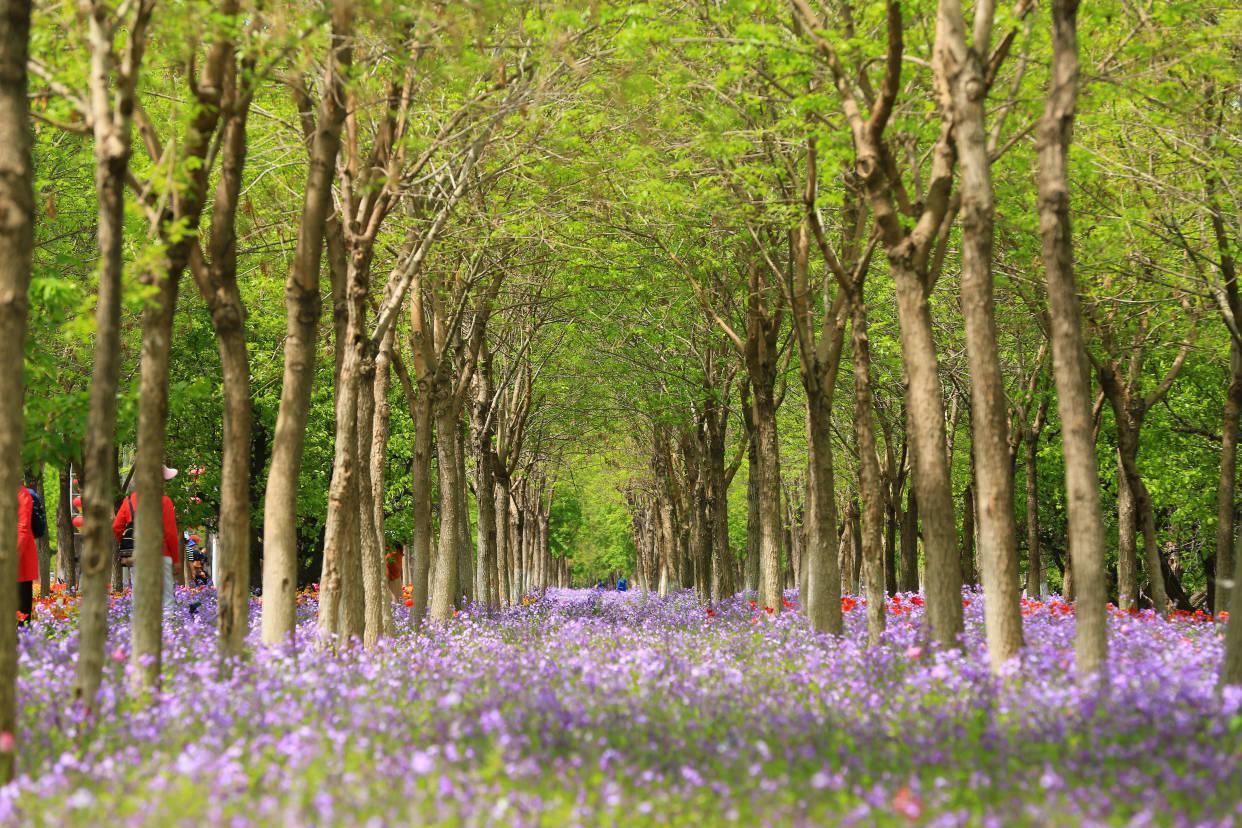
617, 709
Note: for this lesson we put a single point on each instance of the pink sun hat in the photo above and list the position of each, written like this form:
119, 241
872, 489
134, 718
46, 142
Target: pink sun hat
169, 474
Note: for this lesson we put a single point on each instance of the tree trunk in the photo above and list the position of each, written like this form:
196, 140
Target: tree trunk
1231, 667
16, 248
500, 517
302, 308
66, 553
925, 406
1086, 522
891, 521
233, 548
43, 543
1219, 589
1127, 440
343, 503
420, 482
968, 535
465, 547
1127, 556
445, 592
770, 522
870, 486
909, 580
753, 532
112, 131
148, 476
961, 78
380, 430
1035, 563
377, 600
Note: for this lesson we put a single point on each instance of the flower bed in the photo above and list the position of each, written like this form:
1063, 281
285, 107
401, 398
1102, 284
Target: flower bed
589, 708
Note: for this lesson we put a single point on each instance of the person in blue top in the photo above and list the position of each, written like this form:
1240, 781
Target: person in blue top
622, 586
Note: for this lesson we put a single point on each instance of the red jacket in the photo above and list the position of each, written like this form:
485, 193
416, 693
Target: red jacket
172, 541
27, 549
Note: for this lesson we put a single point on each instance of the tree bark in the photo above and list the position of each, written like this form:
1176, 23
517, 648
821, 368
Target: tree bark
925, 404
1226, 508
909, 580
446, 589
66, 552
380, 430
217, 282
112, 131
870, 487
968, 535
1127, 556
962, 83
753, 533
1086, 522
16, 250
377, 600
1035, 563
303, 308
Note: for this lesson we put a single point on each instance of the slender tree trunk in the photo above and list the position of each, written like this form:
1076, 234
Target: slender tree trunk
823, 596
770, 523
377, 600
66, 553
147, 614
1231, 667
16, 248
870, 486
303, 307
43, 543
504, 575
961, 77
1035, 562
925, 406
1127, 546
891, 521
343, 504
754, 537
112, 153
465, 546
909, 580
1127, 439
223, 298
1219, 590
420, 473
1086, 522
380, 430
446, 589
968, 535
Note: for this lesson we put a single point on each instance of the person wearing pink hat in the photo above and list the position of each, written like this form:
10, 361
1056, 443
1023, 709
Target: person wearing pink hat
172, 538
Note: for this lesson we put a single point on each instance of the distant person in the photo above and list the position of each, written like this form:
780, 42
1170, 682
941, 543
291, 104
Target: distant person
31, 524
622, 584
393, 562
198, 562
122, 530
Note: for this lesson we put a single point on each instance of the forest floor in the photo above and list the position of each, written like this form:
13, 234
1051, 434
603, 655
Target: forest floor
587, 708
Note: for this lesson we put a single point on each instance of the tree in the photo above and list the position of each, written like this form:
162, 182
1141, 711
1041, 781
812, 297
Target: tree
16, 244
1069, 354
302, 310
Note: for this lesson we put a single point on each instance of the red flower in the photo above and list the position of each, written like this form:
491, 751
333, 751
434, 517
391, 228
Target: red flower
768, 610
711, 613
409, 602
788, 604
753, 604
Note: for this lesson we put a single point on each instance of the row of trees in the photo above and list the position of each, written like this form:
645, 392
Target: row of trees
572, 230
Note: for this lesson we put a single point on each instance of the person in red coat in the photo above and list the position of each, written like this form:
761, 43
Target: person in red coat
27, 554
172, 538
